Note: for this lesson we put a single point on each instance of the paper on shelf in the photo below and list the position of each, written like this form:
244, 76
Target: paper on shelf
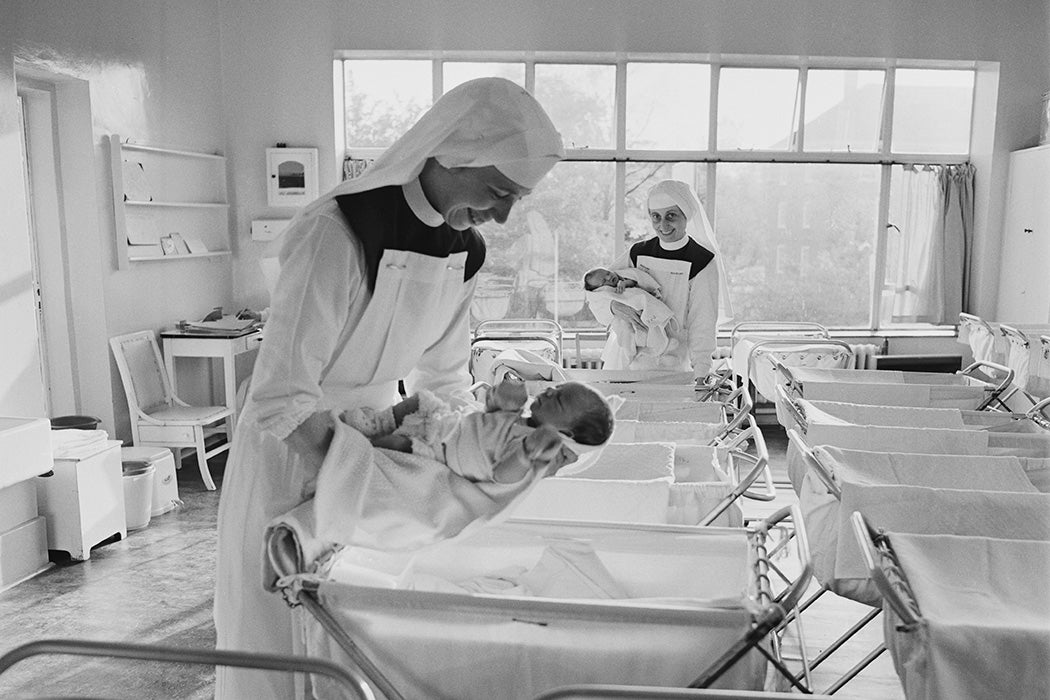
195, 244
180, 244
136, 185
141, 227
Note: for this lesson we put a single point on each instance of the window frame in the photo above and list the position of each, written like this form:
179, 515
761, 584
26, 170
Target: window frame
883, 156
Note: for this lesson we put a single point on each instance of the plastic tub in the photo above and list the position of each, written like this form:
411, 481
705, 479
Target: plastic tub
75, 423
138, 495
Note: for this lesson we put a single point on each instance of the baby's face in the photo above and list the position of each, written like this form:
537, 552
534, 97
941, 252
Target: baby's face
560, 406
602, 278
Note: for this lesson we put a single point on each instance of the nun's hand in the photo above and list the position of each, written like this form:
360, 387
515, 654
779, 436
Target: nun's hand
508, 395
632, 316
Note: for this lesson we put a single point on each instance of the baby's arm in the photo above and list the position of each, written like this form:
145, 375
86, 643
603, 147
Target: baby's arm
534, 451
624, 283
400, 443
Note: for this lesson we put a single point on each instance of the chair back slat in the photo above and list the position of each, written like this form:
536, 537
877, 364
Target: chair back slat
141, 371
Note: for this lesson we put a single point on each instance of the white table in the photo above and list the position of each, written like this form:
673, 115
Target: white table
178, 343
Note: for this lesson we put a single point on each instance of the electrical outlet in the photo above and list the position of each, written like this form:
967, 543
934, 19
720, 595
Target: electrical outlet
268, 229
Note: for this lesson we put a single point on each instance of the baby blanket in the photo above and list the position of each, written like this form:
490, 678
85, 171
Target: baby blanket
661, 325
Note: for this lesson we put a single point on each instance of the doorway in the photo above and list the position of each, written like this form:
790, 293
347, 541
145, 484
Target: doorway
47, 232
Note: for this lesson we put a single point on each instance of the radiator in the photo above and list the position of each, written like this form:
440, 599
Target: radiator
864, 355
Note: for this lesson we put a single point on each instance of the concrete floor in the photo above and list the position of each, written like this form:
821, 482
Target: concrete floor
156, 587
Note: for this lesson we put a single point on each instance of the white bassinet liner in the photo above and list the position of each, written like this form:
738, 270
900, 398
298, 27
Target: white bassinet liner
632, 390
627, 376
762, 372
891, 388
677, 432
837, 560
915, 417
690, 600
671, 412
988, 473
625, 485
916, 440
984, 631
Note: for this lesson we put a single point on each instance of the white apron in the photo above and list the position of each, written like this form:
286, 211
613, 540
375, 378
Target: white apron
416, 297
673, 278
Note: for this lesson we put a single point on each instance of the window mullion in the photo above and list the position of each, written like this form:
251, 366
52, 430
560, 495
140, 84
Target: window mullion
879, 268
619, 206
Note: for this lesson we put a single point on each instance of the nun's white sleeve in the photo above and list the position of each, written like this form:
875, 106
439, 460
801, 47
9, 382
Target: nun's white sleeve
444, 366
702, 317
321, 284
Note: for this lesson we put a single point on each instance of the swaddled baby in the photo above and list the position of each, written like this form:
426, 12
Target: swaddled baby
500, 443
655, 325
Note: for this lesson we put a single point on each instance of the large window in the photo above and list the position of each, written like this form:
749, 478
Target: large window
796, 162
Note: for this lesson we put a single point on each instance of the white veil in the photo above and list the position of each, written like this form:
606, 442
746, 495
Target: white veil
675, 192
486, 121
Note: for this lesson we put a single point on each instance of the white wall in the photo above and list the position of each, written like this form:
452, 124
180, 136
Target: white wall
241, 75
151, 71
277, 59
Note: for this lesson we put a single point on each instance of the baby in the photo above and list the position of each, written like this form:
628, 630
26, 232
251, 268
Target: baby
600, 277
498, 444
631, 293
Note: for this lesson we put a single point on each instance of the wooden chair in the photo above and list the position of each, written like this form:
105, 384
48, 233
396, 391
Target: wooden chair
158, 417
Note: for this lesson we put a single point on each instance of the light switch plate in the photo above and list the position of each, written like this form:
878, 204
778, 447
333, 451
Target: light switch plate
268, 229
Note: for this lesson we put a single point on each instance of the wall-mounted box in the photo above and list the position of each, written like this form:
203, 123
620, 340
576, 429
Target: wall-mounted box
291, 176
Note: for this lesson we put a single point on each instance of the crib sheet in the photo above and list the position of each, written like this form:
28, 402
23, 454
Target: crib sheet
984, 609
913, 493
915, 440
688, 599
992, 473
806, 353
671, 411
902, 416
633, 483
890, 388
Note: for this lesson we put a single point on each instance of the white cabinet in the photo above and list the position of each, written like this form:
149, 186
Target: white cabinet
1024, 278
158, 192
83, 500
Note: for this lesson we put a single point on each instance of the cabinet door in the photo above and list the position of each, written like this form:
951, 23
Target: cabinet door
1024, 286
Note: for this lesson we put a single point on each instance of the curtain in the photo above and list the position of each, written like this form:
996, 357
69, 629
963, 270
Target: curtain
936, 243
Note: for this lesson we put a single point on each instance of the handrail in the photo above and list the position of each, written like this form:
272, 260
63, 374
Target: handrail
796, 410
345, 677
877, 554
825, 473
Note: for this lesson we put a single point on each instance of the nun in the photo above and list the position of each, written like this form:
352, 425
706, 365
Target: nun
684, 260
374, 286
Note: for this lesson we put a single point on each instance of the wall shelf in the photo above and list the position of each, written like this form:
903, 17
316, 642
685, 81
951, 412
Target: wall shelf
159, 191
184, 256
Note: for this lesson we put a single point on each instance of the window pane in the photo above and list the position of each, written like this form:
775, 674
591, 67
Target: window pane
757, 108
818, 267
667, 105
383, 99
457, 72
640, 178
843, 110
579, 100
566, 224
931, 111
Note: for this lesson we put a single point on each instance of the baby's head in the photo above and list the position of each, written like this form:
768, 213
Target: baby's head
576, 410
599, 277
